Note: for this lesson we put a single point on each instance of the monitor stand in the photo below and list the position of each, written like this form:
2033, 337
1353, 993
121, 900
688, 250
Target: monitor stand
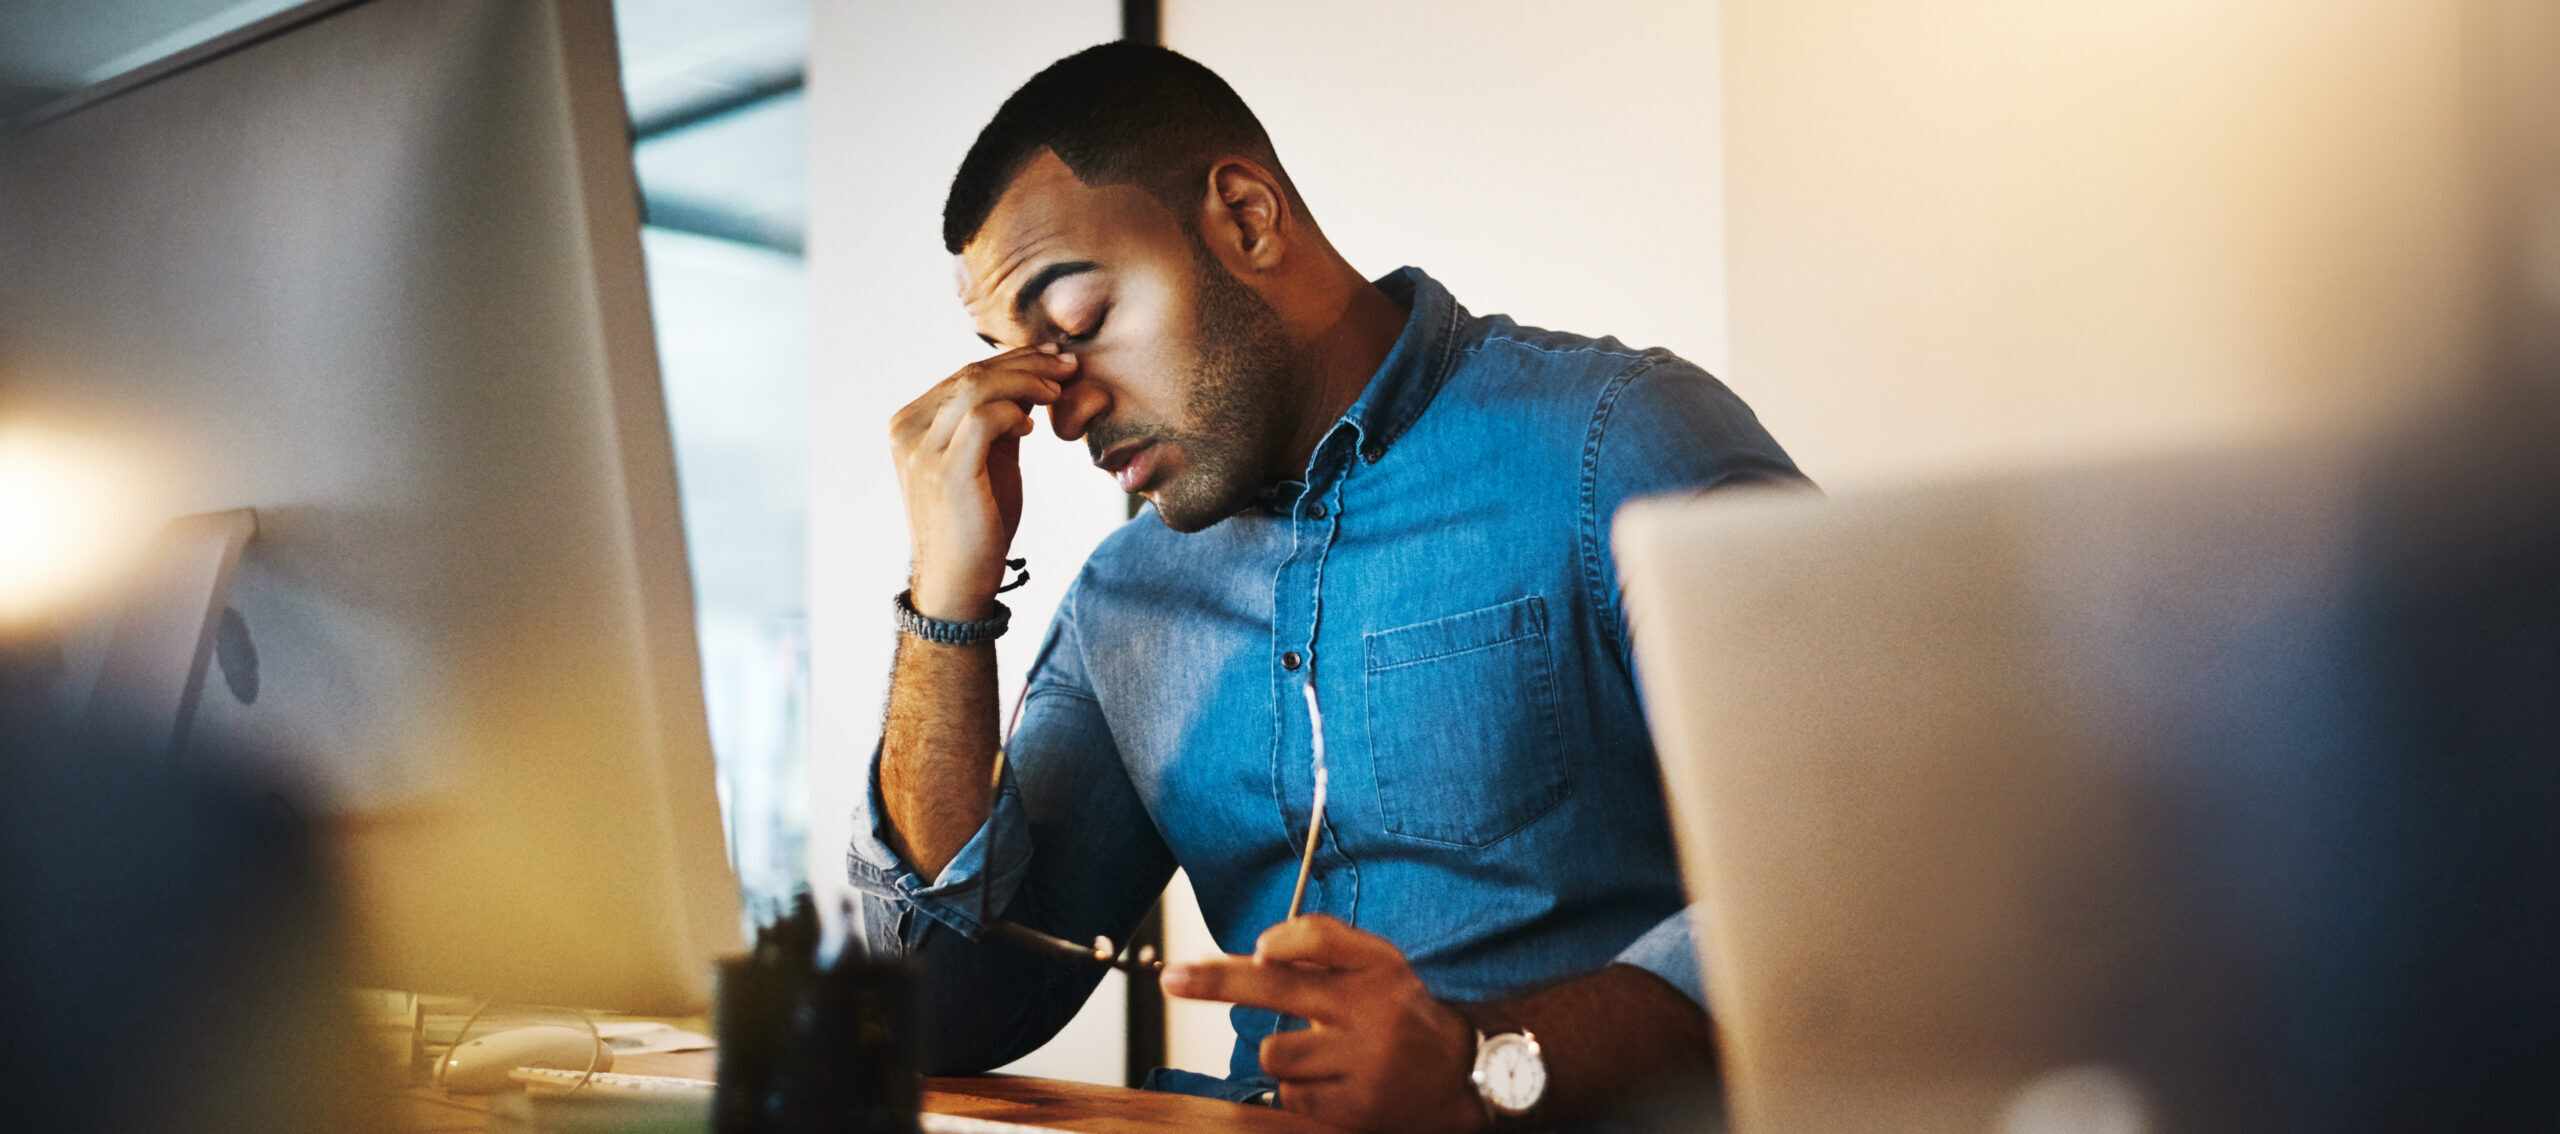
153, 672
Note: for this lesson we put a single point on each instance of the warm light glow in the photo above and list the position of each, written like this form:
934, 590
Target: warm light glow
69, 514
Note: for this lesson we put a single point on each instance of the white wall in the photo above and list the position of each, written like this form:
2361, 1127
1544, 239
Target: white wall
896, 93
1561, 163
1974, 234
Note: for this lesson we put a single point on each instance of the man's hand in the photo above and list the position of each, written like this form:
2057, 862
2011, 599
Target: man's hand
1380, 1053
958, 467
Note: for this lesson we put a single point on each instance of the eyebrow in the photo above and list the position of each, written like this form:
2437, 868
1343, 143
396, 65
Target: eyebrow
1040, 281
1030, 293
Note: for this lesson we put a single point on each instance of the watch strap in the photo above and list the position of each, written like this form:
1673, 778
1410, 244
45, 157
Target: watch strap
1488, 1019
980, 632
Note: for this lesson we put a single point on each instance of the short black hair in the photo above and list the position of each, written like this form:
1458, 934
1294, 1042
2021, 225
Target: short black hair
1116, 113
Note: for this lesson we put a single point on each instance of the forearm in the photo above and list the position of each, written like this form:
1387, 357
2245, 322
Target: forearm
937, 759
959, 470
1610, 1034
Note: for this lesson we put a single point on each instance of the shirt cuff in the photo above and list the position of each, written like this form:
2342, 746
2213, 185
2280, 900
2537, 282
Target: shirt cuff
1669, 950
975, 886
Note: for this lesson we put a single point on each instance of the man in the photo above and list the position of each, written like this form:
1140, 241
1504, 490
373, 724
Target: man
1357, 488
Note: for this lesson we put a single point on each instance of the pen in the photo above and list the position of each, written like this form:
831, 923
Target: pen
1315, 814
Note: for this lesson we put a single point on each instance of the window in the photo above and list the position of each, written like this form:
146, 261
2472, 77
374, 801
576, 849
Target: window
718, 127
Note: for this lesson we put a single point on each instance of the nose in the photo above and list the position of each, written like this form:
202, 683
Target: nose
1080, 403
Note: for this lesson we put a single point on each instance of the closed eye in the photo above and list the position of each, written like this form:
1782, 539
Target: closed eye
1088, 333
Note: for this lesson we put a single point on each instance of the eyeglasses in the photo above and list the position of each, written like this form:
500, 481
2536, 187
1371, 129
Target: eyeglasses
1145, 961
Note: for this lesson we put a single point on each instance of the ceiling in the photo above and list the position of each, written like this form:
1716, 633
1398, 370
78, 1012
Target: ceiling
713, 87
715, 94
48, 47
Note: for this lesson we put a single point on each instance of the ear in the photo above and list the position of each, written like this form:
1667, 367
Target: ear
1245, 218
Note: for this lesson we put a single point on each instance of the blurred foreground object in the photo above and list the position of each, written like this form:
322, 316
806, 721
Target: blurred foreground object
816, 1036
2214, 793
168, 957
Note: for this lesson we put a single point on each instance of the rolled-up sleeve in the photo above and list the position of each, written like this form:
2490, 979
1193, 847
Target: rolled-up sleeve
1669, 950
1068, 849
979, 881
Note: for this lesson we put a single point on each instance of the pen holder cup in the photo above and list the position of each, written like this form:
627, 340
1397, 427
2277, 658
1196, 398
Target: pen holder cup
832, 1049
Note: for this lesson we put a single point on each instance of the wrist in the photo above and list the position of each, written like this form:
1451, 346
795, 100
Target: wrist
973, 632
1466, 1110
1507, 1072
946, 601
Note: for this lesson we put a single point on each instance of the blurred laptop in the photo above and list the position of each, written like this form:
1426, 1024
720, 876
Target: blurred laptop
2214, 793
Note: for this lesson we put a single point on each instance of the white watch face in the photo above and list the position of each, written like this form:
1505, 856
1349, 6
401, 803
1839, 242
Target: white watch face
1510, 1074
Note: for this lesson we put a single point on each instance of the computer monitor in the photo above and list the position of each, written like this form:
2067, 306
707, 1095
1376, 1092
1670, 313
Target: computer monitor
373, 270
2202, 792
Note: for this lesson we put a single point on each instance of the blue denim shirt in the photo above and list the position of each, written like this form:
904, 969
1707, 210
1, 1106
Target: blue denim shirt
1442, 574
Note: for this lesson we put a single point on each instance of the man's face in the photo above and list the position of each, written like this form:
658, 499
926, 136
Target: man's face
1177, 390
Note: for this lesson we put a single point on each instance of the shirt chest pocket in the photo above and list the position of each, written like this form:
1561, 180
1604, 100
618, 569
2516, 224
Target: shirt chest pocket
1462, 724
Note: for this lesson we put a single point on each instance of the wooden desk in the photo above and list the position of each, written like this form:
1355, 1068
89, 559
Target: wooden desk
1104, 1110
1081, 1107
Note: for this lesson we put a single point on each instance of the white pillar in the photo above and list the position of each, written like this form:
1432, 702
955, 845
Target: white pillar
896, 93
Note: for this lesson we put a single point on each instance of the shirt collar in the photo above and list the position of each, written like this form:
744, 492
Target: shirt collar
1415, 370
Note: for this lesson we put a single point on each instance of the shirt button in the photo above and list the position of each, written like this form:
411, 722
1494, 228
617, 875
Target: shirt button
1291, 660
1315, 511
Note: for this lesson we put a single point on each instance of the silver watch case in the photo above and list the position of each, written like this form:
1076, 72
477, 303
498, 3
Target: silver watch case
1500, 1091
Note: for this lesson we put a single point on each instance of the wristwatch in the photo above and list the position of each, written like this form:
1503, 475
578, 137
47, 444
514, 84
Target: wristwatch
1510, 1074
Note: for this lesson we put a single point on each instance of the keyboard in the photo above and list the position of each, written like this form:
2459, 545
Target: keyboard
611, 1082
671, 1088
